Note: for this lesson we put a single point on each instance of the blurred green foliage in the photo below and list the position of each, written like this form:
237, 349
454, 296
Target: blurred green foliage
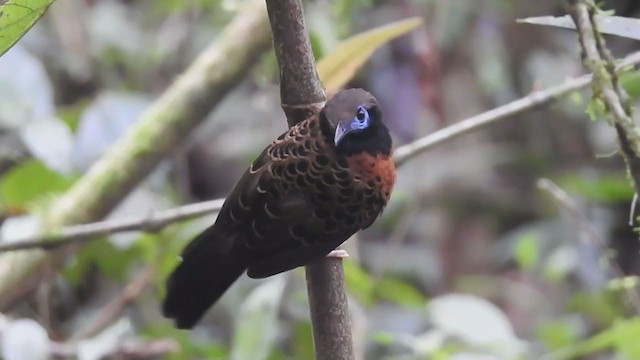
527, 251
620, 339
302, 340
556, 334
602, 307
602, 187
630, 81
111, 261
28, 182
368, 290
190, 348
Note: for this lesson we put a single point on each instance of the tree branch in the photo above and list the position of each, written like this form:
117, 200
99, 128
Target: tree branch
606, 87
532, 101
83, 233
332, 338
158, 132
302, 95
301, 92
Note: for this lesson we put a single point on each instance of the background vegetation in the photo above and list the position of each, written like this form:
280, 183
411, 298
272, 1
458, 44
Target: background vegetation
473, 259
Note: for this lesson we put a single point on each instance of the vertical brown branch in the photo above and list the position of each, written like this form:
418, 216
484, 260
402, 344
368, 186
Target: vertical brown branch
301, 92
302, 95
329, 310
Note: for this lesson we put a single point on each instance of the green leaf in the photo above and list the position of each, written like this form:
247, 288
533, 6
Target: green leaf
17, 17
621, 337
364, 288
302, 340
602, 308
190, 347
556, 334
383, 338
526, 251
111, 261
257, 323
277, 354
337, 68
317, 47
603, 187
591, 345
630, 81
399, 292
358, 282
596, 108
627, 333
71, 114
29, 181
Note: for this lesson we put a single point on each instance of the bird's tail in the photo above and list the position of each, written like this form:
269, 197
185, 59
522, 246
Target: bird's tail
210, 264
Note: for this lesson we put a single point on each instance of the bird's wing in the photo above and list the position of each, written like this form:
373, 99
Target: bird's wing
284, 208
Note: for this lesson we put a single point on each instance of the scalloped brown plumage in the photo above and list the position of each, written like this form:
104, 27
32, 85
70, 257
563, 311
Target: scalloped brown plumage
301, 198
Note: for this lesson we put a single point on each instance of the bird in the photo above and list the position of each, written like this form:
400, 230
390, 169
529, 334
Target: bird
316, 185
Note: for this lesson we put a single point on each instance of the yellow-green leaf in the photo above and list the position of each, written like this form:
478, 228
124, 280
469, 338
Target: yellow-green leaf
339, 66
359, 282
29, 181
17, 17
630, 81
526, 251
399, 292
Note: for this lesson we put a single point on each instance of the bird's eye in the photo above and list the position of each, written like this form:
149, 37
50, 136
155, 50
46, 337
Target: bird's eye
362, 114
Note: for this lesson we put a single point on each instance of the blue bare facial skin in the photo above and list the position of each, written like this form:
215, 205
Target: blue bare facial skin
358, 123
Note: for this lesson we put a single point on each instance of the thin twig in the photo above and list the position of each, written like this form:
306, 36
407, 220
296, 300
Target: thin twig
632, 209
83, 233
115, 307
130, 349
534, 100
145, 349
564, 201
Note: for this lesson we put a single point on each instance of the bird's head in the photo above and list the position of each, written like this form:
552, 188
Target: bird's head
352, 120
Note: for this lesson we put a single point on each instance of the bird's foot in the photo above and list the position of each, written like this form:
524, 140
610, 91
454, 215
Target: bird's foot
338, 253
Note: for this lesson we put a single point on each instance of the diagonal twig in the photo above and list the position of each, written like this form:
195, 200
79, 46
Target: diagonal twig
86, 232
565, 202
532, 101
111, 310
